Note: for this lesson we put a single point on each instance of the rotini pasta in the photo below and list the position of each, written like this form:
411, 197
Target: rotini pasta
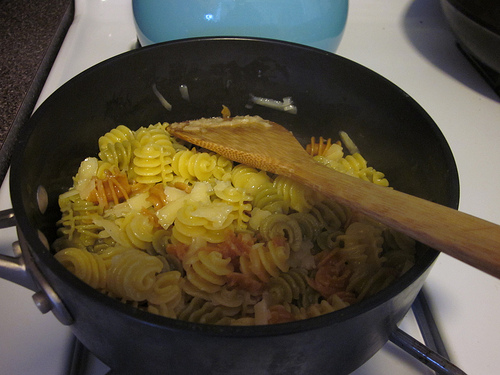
282, 226
266, 260
88, 267
167, 290
119, 154
131, 275
299, 197
207, 270
248, 178
238, 199
152, 164
185, 233
201, 311
332, 155
76, 226
291, 287
267, 198
209, 222
191, 165
119, 134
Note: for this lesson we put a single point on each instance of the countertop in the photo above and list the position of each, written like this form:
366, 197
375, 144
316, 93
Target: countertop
30, 35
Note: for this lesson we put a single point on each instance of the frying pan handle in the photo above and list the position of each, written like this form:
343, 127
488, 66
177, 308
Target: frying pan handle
22, 270
428, 357
13, 268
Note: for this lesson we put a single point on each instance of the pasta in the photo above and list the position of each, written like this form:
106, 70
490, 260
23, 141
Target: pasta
182, 232
206, 270
299, 197
86, 266
132, 275
266, 260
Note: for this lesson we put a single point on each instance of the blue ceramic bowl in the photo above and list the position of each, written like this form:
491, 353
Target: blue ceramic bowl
317, 23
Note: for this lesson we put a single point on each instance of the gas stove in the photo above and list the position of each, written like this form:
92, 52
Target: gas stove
406, 41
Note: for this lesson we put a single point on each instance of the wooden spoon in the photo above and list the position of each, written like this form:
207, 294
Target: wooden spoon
266, 145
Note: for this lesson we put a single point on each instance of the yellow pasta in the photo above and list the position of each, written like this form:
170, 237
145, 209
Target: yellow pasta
132, 275
86, 266
185, 233
238, 199
151, 164
138, 230
76, 226
354, 165
208, 270
207, 221
249, 179
268, 198
166, 290
299, 197
119, 134
223, 168
155, 134
192, 165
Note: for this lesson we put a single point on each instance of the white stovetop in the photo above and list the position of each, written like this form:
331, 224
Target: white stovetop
408, 42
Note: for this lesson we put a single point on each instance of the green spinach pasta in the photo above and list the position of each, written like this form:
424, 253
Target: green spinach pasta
182, 232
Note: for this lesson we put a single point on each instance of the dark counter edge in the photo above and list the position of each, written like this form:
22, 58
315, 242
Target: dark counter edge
28, 105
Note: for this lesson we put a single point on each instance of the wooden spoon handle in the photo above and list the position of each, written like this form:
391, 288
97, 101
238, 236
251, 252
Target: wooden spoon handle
462, 236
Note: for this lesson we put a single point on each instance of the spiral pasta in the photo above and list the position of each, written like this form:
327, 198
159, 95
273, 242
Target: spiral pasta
208, 221
156, 134
332, 155
166, 290
152, 164
308, 223
207, 270
134, 230
298, 196
330, 215
138, 230
267, 198
119, 134
182, 232
132, 275
110, 252
284, 226
153, 155
191, 165
292, 286
201, 311
266, 260
354, 165
238, 199
248, 178
119, 154
76, 226
223, 168
88, 267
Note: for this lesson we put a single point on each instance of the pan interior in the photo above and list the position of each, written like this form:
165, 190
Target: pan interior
331, 94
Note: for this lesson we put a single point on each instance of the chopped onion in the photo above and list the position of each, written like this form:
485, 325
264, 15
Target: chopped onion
160, 97
286, 105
